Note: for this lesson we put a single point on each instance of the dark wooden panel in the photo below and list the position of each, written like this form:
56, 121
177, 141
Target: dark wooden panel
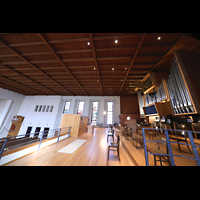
60, 63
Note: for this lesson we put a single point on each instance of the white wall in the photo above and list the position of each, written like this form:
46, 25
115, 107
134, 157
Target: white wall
53, 119
11, 107
38, 119
25, 106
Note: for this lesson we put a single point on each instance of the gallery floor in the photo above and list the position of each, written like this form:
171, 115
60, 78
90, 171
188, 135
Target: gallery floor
93, 152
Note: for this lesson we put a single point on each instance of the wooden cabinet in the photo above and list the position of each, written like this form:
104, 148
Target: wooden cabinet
77, 122
161, 109
15, 126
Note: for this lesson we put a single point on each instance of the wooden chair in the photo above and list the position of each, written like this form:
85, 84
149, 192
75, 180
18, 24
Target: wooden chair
114, 147
138, 138
196, 127
111, 134
174, 136
162, 149
152, 134
110, 127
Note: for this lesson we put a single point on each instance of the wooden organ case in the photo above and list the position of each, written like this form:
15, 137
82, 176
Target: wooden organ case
184, 83
177, 93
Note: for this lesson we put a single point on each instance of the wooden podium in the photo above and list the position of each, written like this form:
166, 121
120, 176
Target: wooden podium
16, 125
77, 122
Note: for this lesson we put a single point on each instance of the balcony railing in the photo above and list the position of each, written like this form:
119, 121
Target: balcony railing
15, 143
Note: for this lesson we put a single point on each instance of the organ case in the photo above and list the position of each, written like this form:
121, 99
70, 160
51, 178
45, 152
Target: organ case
184, 82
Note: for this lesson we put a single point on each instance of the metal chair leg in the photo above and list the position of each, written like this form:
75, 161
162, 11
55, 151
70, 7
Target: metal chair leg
108, 152
154, 160
118, 153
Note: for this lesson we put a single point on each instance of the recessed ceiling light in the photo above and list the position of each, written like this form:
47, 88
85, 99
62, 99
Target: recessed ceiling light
116, 41
94, 68
125, 68
88, 43
159, 38
113, 68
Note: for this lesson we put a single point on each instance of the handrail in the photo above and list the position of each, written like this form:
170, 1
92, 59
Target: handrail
168, 142
39, 135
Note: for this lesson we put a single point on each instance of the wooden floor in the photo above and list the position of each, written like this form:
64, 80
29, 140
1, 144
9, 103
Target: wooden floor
92, 153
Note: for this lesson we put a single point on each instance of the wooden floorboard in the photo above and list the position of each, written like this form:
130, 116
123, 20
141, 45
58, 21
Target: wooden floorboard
92, 153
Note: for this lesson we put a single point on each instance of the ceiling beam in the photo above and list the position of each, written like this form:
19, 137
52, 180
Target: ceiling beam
55, 54
16, 88
95, 60
167, 53
80, 50
133, 60
73, 40
19, 73
76, 59
112, 37
19, 55
79, 40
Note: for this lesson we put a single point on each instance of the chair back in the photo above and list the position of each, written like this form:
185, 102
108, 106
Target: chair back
113, 131
118, 139
196, 127
167, 126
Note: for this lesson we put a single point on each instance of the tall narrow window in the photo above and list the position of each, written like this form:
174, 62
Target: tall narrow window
36, 107
51, 109
47, 110
66, 108
109, 112
40, 108
80, 107
43, 109
94, 112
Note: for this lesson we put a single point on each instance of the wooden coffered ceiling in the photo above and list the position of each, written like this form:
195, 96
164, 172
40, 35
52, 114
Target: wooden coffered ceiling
64, 63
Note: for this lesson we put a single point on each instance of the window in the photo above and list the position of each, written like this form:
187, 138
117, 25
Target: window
51, 109
94, 112
28, 131
43, 109
47, 110
66, 108
36, 107
80, 107
40, 108
37, 131
109, 112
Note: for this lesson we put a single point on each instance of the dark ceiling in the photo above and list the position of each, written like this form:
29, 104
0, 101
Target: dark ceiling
66, 64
